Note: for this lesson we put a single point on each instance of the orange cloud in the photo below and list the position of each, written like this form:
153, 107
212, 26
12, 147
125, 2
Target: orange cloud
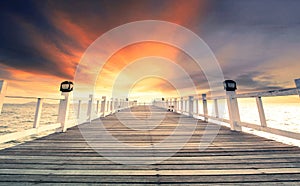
185, 12
132, 53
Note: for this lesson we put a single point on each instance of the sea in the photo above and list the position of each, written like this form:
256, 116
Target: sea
286, 116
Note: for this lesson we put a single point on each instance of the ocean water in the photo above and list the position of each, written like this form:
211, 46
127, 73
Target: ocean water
18, 117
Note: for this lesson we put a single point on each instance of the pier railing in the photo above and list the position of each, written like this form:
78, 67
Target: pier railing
95, 107
101, 106
190, 106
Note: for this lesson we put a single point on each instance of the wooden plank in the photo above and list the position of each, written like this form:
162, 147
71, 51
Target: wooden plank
232, 157
131, 172
146, 180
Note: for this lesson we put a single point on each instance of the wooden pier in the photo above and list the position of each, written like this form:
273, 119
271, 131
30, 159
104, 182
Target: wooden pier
233, 157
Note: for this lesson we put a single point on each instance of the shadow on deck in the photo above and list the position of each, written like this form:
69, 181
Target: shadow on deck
232, 157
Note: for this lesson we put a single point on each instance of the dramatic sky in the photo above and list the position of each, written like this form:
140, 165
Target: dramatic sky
256, 42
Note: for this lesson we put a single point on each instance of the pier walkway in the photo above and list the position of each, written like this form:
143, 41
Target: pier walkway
232, 157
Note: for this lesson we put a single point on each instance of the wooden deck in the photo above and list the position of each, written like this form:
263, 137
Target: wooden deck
232, 158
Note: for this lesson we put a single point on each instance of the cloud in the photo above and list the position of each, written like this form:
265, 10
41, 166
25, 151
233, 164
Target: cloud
266, 13
49, 37
251, 39
256, 81
4, 73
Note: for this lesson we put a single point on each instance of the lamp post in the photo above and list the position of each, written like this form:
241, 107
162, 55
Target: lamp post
234, 114
66, 88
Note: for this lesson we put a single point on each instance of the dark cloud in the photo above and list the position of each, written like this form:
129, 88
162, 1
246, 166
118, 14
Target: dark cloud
4, 73
21, 22
256, 12
256, 81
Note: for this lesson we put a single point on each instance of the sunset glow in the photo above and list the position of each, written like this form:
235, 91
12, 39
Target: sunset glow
42, 44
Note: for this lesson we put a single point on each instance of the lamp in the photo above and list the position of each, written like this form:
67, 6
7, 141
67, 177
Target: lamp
66, 86
229, 85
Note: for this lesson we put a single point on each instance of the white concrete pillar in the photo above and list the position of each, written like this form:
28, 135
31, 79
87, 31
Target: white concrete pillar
175, 105
103, 101
197, 106
205, 110
191, 106
78, 109
181, 104
97, 107
233, 110
90, 108
216, 108
63, 111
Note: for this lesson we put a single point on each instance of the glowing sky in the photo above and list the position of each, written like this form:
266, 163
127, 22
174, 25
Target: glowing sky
41, 42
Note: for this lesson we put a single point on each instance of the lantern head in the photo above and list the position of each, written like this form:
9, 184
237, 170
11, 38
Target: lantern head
66, 86
229, 85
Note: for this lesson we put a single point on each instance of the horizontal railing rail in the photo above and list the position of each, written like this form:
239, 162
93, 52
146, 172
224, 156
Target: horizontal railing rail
29, 97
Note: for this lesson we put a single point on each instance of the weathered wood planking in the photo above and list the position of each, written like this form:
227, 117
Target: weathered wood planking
232, 158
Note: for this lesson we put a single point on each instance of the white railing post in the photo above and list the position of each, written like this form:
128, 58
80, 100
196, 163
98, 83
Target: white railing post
97, 107
181, 105
111, 105
191, 106
216, 108
103, 101
117, 106
178, 105
197, 106
205, 110
90, 108
3, 88
233, 108
78, 109
175, 105
63, 111
122, 103
38, 113
261, 112
297, 82
166, 105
